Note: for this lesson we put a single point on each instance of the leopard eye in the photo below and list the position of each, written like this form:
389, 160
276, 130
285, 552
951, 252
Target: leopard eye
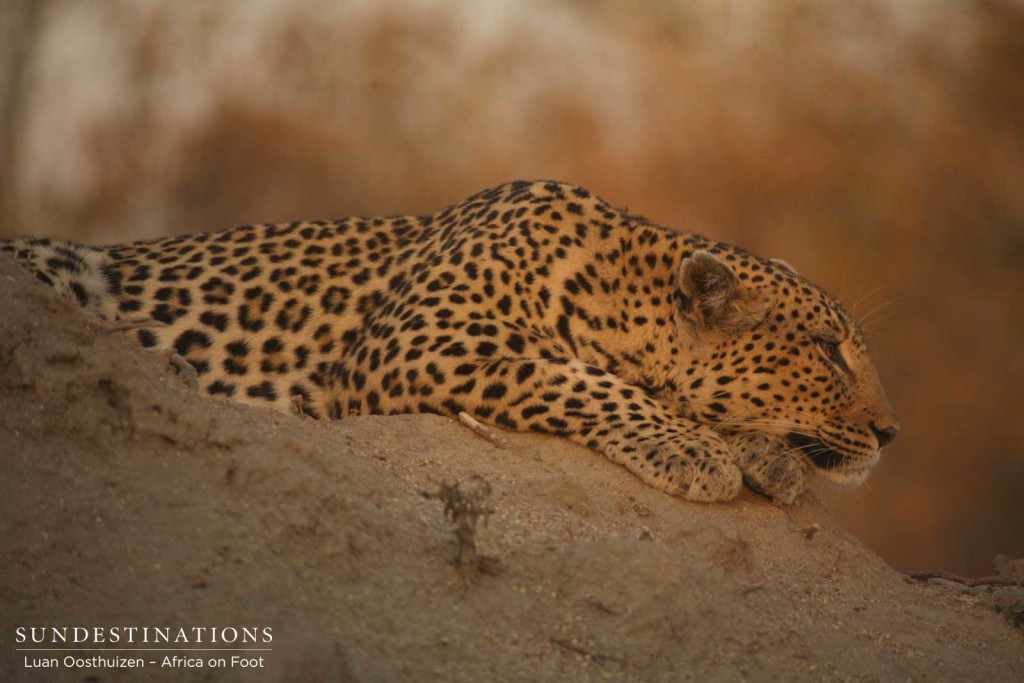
831, 350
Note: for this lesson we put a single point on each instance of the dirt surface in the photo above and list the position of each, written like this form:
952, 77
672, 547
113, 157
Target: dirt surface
127, 499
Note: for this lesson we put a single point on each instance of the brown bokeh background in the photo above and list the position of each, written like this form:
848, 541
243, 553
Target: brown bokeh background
877, 146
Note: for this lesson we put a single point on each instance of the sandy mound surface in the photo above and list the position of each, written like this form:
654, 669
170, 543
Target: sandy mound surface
127, 499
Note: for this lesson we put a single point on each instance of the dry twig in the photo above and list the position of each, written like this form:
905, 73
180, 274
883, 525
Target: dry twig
128, 324
184, 369
483, 430
966, 581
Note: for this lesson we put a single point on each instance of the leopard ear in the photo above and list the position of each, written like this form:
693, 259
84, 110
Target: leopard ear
715, 298
784, 265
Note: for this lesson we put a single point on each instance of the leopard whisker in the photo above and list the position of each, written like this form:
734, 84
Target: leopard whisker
882, 306
789, 426
722, 423
867, 326
862, 297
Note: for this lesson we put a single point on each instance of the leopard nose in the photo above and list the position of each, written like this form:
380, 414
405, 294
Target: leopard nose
886, 435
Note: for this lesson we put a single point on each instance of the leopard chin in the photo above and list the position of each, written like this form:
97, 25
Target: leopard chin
847, 478
839, 468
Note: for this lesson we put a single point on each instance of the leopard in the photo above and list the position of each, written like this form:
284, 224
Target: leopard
533, 306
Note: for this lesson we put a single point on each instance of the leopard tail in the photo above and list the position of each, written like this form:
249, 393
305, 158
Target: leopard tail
80, 273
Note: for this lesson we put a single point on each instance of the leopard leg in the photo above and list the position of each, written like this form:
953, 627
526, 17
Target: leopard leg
597, 409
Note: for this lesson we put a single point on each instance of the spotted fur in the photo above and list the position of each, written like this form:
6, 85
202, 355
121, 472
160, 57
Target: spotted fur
533, 306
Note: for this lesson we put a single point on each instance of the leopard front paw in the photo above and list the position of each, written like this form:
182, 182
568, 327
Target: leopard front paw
715, 481
703, 476
770, 466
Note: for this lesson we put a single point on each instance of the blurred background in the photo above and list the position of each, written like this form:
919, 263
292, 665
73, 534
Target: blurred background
878, 146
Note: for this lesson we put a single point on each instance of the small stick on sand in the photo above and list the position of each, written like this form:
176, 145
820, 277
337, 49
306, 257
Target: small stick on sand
972, 583
483, 430
128, 324
184, 369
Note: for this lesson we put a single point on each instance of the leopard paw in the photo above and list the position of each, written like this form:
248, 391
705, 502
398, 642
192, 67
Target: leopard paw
702, 477
770, 467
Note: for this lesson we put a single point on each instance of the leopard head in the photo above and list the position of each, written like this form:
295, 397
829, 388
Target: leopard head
773, 353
